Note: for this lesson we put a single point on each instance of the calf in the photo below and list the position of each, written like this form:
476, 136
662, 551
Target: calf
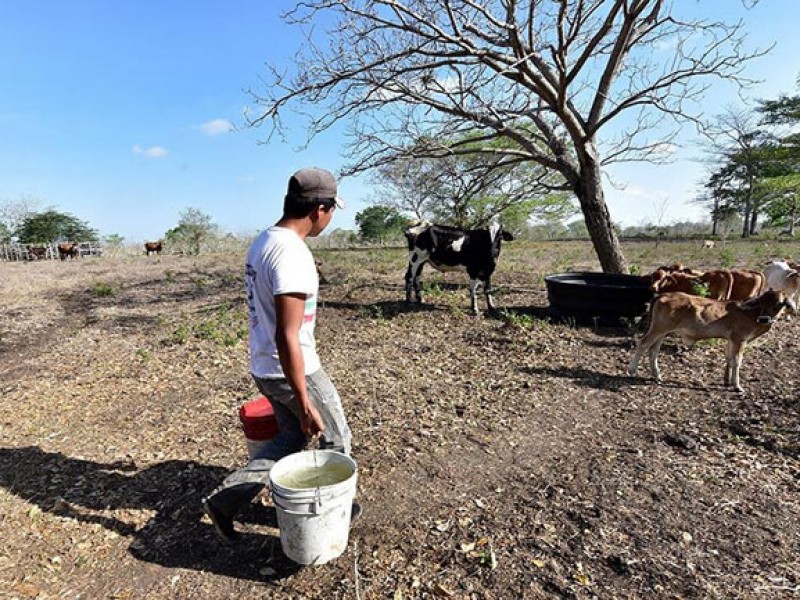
708, 243
652, 279
714, 284
451, 249
152, 248
37, 253
745, 284
780, 276
696, 318
68, 250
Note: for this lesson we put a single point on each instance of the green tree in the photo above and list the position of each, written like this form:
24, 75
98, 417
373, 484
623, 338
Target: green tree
380, 223
744, 149
195, 230
783, 184
5, 233
53, 226
341, 238
114, 240
471, 190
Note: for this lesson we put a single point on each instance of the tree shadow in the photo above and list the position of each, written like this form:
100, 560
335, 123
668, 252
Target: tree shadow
175, 537
169, 291
587, 377
387, 309
603, 381
501, 313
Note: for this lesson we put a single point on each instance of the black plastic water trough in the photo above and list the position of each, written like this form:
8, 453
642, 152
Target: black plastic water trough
591, 296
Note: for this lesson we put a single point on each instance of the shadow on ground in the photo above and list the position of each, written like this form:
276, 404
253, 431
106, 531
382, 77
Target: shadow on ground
587, 377
387, 309
175, 537
162, 294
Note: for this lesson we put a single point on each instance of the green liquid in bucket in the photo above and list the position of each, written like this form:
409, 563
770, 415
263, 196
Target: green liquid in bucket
312, 477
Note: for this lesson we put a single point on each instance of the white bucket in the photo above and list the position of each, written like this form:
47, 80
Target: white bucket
314, 521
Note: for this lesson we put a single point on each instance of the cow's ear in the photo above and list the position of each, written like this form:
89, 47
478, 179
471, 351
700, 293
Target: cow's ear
507, 236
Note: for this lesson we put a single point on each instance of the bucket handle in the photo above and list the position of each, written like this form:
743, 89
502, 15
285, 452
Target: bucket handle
317, 505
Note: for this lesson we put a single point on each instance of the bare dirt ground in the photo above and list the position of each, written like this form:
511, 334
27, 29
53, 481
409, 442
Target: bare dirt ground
499, 457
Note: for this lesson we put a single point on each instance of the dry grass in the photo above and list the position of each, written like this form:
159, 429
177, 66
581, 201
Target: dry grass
499, 458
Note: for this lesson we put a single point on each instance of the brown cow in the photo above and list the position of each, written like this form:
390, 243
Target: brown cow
719, 283
713, 284
37, 253
653, 278
153, 247
68, 250
696, 318
746, 284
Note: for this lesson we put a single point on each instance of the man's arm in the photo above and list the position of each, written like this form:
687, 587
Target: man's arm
289, 311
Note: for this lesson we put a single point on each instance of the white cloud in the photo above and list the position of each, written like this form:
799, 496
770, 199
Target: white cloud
151, 152
217, 126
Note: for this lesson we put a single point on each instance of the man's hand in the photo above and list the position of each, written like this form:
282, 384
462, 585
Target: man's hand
311, 422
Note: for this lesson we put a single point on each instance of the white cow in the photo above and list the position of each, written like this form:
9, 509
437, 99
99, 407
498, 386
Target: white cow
779, 276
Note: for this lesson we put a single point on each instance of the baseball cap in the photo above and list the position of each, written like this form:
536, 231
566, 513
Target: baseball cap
313, 182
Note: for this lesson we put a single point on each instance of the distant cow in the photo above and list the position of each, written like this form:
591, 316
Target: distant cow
782, 277
68, 250
696, 318
708, 243
153, 248
37, 253
451, 249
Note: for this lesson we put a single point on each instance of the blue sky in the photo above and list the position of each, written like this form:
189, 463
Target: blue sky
119, 112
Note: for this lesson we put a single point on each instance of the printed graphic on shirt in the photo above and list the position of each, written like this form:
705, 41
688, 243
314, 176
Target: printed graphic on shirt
310, 311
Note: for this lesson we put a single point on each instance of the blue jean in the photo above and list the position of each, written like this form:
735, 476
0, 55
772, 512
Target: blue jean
241, 486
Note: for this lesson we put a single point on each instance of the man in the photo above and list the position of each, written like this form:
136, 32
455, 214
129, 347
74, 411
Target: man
282, 286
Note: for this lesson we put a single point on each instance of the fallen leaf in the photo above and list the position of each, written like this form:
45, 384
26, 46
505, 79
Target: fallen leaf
440, 590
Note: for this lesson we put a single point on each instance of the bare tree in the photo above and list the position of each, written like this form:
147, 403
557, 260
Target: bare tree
560, 79
13, 213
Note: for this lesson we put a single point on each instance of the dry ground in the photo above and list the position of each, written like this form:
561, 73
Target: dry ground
499, 457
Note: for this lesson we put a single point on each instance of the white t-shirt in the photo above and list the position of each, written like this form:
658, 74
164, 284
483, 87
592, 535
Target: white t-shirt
279, 262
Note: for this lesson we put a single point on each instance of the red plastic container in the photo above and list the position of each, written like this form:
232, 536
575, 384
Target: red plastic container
258, 422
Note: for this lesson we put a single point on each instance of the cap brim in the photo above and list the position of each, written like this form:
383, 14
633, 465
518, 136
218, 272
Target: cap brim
339, 202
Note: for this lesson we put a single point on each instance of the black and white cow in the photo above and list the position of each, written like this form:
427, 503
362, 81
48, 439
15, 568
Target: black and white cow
451, 249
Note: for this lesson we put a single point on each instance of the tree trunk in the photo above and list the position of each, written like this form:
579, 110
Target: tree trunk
589, 190
715, 217
746, 223
754, 223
